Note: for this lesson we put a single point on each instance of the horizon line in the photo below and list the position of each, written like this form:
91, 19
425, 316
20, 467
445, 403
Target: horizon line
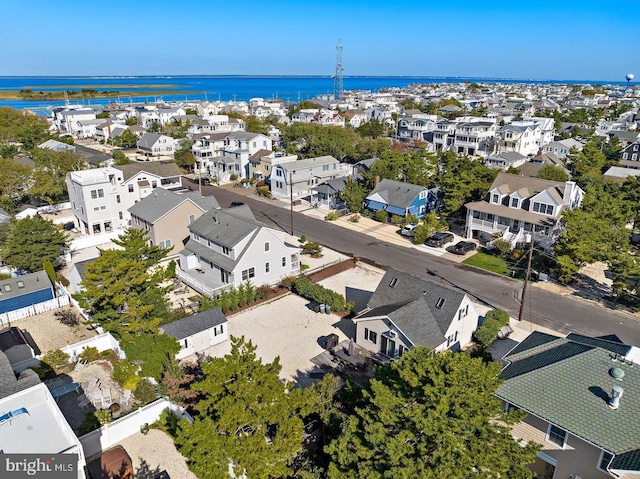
432, 77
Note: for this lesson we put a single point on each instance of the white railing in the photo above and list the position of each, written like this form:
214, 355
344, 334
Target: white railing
199, 286
483, 223
102, 342
110, 434
38, 308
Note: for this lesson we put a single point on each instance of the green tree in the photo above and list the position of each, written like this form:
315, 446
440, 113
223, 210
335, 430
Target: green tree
14, 183
588, 163
256, 125
20, 126
103, 115
431, 416
430, 225
131, 122
353, 194
127, 139
552, 172
371, 129
31, 242
121, 287
119, 158
51, 168
183, 155
248, 418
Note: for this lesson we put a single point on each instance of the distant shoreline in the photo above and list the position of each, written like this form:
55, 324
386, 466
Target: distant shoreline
80, 95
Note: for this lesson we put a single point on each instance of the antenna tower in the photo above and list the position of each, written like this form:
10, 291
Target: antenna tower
338, 79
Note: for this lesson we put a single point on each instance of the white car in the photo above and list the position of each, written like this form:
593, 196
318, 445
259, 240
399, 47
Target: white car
408, 230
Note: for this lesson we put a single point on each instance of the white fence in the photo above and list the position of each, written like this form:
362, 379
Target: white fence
55, 303
110, 434
103, 342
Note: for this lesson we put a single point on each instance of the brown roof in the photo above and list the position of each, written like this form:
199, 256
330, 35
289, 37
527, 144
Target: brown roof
259, 154
514, 213
508, 183
163, 170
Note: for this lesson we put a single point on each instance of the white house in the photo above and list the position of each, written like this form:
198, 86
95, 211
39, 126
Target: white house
238, 148
517, 206
100, 197
229, 247
302, 175
562, 148
198, 332
521, 137
65, 119
407, 311
156, 144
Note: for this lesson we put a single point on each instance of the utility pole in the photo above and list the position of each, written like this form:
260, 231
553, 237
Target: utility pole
200, 177
526, 276
291, 198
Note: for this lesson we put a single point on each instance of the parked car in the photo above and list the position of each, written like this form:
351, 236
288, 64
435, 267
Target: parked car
463, 247
439, 239
408, 230
236, 203
204, 181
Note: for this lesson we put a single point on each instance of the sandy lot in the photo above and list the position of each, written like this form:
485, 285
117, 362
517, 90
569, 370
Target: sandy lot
356, 284
50, 334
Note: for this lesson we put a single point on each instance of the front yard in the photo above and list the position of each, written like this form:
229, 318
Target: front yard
489, 262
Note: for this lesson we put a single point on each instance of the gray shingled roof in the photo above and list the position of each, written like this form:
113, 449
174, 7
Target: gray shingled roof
397, 193
568, 384
29, 283
148, 140
157, 168
227, 226
411, 303
9, 383
161, 202
183, 328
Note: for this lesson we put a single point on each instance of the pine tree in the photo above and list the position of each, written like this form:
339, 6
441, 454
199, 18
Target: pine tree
430, 416
31, 242
249, 418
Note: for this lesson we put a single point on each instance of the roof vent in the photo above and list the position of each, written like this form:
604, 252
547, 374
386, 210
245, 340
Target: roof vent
440, 303
616, 394
617, 373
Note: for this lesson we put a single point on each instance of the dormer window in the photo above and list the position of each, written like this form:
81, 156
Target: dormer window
515, 202
495, 198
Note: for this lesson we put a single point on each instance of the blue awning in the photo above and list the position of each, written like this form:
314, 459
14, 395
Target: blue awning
374, 205
394, 210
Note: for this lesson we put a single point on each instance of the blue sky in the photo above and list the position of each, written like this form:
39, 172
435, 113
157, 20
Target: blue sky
586, 40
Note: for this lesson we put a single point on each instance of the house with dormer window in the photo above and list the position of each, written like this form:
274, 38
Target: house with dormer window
630, 155
406, 311
229, 247
297, 178
403, 199
519, 207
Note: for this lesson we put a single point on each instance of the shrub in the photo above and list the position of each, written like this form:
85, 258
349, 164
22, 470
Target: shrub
89, 354
354, 218
264, 191
131, 383
303, 239
494, 320
62, 279
56, 358
171, 269
123, 370
89, 423
318, 293
332, 216
150, 350
145, 391
167, 422
303, 266
311, 248
502, 247
67, 316
103, 416
382, 216
233, 177
288, 282
398, 220
48, 268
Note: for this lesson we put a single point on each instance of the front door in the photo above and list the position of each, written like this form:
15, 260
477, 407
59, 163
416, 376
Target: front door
388, 346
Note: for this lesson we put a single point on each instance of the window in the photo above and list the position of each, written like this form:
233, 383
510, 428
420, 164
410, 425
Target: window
225, 250
248, 273
557, 436
393, 282
423, 194
266, 247
267, 267
117, 198
154, 184
284, 261
120, 216
634, 157
514, 202
20, 284
192, 218
165, 244
496, 199
97, 194
605, 459
373, 337
7, 288
625, 156
440, 303
130, 188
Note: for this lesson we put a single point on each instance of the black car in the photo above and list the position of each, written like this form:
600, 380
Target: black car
439, 239
463, 247
236, 203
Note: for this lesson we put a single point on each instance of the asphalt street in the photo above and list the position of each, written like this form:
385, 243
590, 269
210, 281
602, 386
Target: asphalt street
559, 312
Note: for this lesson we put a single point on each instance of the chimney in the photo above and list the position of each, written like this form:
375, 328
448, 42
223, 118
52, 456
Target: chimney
376, 181
616, 394
568, 192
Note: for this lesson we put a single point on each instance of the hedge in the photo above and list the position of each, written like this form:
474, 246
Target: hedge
315, 292
494, 321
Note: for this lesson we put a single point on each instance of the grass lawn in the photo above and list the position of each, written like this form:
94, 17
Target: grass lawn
489, 262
